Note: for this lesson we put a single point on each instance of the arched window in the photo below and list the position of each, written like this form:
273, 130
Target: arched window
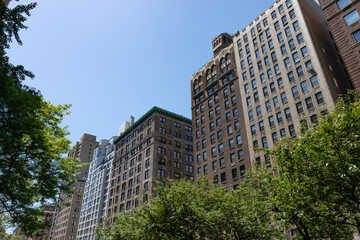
208, 73
228, 56
200, 79
222, 61
213, 69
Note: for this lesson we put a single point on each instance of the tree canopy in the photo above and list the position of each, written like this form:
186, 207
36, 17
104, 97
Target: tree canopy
33, 169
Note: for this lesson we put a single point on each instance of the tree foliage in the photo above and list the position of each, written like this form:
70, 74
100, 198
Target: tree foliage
317, 186
32, 142
185, 210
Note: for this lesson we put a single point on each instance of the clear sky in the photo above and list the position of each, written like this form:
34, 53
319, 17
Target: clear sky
113, 59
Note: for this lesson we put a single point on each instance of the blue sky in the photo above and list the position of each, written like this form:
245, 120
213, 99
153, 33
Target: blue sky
113, 59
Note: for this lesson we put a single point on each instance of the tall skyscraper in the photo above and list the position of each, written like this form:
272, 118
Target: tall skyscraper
69, 206
343, 18
281, 70
157, 146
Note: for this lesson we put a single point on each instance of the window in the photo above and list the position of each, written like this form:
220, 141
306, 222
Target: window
304, 87
292, 131
272, 87
205, 169
280, 37
288, 31
295, 91
281, 8
299, 71
213, 151
251, 70
343, 3
309, 103
282, 133
264, 142
247, 89
276, 102
287, 113
248, 101
268, 106
352, 17
241, 53
291, 44
299, 108
296, 26
234, 173
269, 74
273, 56
231, 143
261, 37
260, 67
271, 44
255, 144
263, 48
279, 117
314, 120
227, 104
271, 121
214, 165
288, 3
319, 98
274, 137
237, 125
211, 114
280, 82
253, 83
283, 98
277, 26
229, 129
255, 42
241, 154
219, 134
308, 64
291, 76
265, 22
284, 20
262, 78
266, 60
277, 69
300, 38
211, 125
314, 81
258, 111
245, 38
243, 64
235, 112
273, 14
296, 57
292, 14
223, 177
258, 26
265, 91
283, 49
251, 115
261, 126
249, 59
356, 35
287, 62
238, 139
304, 52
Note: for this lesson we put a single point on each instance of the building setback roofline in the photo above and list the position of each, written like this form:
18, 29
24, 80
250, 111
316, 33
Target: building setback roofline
148, 114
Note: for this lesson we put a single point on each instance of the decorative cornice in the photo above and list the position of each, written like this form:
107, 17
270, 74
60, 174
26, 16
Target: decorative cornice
148, 114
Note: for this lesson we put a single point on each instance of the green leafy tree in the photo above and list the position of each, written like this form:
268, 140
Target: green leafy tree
182, 210
317, 188
32, 142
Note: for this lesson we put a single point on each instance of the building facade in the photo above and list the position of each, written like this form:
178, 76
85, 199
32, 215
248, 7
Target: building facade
281, 70
94, 202
69, 205
343, 19
157, 146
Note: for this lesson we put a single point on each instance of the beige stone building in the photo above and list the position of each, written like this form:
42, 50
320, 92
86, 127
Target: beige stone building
263, 82
157, 146
69, 205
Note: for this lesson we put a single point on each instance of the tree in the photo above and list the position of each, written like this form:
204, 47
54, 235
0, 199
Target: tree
182, 210
317, 188
32, 142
